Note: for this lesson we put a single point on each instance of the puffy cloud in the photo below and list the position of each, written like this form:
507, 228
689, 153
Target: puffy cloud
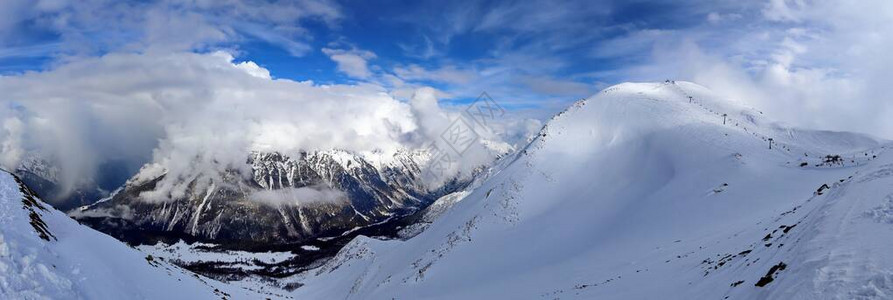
297, 196
201, 113
353, 62
826, 65
465, 139
253, 69
118, 211
196, 117
816, 64
11, 150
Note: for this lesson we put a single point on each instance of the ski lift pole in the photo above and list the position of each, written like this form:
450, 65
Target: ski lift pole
770, 143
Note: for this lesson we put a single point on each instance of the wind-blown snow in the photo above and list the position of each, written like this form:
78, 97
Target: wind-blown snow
641, 193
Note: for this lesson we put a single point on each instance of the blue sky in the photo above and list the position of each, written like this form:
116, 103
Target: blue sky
533, 56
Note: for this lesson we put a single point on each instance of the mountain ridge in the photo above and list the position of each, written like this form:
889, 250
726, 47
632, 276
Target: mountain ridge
44, 254
636, 192
234, 211
639, 192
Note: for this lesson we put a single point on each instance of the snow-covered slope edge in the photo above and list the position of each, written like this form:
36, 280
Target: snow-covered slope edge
46, 255
642, 192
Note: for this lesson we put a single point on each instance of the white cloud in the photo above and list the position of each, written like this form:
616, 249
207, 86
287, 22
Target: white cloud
424, 51
716, 18
298, 196
250, 67
538, 16
196, 117
201, 113
99, 26
447, 74
354, 62
11, 150
118, 211
783, 10
436, 124
821, 64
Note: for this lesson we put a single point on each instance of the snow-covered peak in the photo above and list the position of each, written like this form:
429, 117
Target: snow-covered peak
660, 105
46, 255
640, 192
40, 166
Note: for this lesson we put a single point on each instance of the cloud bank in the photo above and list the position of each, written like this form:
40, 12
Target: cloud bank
298, 196
816, 64
196, 117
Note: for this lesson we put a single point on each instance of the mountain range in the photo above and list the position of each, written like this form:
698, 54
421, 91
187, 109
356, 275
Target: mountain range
644, 190
365, 190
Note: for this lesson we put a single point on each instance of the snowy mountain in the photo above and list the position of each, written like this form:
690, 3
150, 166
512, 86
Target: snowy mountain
644, 191
44, 176
268, 206
46, 255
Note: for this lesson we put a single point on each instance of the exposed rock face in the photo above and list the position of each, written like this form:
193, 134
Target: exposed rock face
369, 191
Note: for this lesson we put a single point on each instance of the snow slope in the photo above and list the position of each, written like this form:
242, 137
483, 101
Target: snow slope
46, 255
641, 192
